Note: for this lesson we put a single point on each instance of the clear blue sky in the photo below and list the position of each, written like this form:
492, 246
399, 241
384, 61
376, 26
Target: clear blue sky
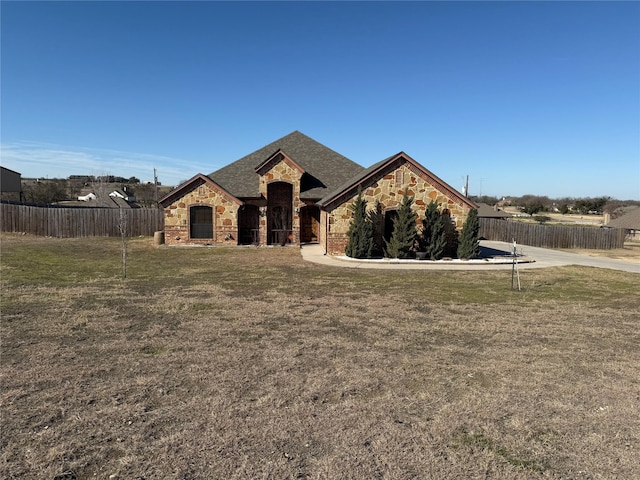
540, 98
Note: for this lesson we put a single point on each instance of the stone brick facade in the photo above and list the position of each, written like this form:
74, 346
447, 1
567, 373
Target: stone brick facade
234, 207
225, 210
224, 217
388, 190
281, 169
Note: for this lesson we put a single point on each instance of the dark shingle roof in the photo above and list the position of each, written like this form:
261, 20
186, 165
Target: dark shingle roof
629, 220
487, 211
329, 168
354, 180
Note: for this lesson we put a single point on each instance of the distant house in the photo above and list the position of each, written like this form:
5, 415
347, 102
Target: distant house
96, 198
487, 211
80, 181
118, 194
296, 190
88, 197
10, 184
119, 202
629, 221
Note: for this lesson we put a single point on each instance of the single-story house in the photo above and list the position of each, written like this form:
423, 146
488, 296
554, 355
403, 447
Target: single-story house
103, 198
487, 211
629, 221
88, 197
296, 190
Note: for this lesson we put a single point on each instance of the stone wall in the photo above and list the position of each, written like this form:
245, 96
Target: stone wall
389, 191
224, 210
284, 171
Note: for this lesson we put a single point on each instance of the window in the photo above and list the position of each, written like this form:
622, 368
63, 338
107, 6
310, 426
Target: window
201, 221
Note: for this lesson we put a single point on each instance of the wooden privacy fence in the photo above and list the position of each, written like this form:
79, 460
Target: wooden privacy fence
551, 236
79, 221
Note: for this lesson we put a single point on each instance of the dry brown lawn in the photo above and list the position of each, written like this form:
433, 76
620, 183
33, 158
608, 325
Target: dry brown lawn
250, 363
559, 218
630, 252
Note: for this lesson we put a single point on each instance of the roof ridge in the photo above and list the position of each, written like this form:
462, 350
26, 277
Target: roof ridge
318, 160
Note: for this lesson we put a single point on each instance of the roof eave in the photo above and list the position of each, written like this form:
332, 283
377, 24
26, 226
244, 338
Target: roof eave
181, 189
439, 183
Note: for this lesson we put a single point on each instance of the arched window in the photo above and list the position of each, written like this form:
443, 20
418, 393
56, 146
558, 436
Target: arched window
201, 221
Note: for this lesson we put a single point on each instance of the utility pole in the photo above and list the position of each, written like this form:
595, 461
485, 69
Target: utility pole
466, 187
155, 186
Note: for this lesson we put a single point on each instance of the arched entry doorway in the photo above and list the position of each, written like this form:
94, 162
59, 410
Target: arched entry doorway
279, 213
309, 224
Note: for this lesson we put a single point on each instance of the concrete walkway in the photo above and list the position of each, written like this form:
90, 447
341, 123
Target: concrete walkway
528, 257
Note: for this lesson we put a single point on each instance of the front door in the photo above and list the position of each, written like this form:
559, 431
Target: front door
309, 224
248, 225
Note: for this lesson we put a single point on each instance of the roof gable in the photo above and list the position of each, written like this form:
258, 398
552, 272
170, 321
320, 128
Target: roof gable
327, 167
378, 170
276, 158
193, 183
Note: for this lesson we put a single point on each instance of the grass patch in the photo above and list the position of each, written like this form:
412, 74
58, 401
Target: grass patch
56, 262
480, 440
250, 363
152, 350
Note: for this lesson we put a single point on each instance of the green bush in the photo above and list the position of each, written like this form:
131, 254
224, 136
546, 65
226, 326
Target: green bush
469, 244
403, 238
541, 219
433, 239
360, 230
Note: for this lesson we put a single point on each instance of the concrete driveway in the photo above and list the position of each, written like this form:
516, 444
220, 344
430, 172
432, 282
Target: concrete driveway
529, 257
545, 257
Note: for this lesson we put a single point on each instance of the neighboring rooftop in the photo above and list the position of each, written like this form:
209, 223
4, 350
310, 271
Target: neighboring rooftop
9, 181
630, 220
487, 211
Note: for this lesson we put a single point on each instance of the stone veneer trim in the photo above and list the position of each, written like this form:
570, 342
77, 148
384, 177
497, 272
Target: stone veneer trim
190, 185
389, 166
276, 158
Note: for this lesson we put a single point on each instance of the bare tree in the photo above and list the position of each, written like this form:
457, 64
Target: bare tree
122, 228
46, 191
